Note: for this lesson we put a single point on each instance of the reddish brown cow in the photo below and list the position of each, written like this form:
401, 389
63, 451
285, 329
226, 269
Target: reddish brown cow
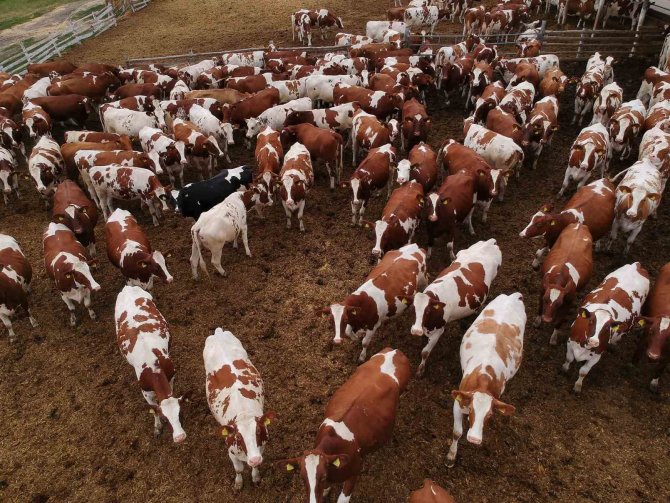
322, 144
565, 272
66, 263
347, 434
485, 53
553, 83
253, 106
489, 99
416, 124
452, 204
61, 67
455, 76
130, 90
94, 87
69, 150
269, 155
431, 493
371, 176
654, 346
73, 107
16, 88
529, 48
592, 205
249, 84
505, 123
368, 133
11, 103
525, 72
129, 250
15, 276
396, 14
37, 121
420, 166
378, 103
223, 96
77, 212
657, 116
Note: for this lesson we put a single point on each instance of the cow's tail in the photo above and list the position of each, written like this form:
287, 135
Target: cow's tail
339, 171
196, 251
616, 177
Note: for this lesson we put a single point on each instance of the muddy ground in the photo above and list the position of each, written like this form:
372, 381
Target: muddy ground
75, 426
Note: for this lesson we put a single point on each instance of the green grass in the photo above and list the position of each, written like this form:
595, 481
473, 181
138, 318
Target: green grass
13, 12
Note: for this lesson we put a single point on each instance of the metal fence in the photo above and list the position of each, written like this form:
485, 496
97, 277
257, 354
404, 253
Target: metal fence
16, 57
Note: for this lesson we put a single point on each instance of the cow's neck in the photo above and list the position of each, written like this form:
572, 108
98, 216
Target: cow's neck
483, 383
248, 199
328, 442
158, 382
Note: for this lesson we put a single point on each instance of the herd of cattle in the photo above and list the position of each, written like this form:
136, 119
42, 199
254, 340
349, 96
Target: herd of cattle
303, 111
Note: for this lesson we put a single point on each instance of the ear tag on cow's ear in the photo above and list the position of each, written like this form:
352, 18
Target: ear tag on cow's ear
152, 412
354, 312
436, 306
615, 328
458, 398
68, 275
641, 322
583, 314
289, 467
267, 421
404, 300
545, 209
553, 222
224, 432
337, 463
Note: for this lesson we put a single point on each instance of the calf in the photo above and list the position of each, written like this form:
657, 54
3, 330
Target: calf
143, 337
608, 101
637, 196
269, 155
489, 99
590, 152
36, 120
605, 316
66, 263
553, 83
540, 127
164, 151
566, 271
77, 212
431, 492
625, 125
295, 180
416, 124
222, 224
653, 347
128, 183
420, 166
399, 220
655, 146
126, 122
200, 149
347, 434
15, 276
198, 197
324, 145
371, 176
519, 100
235, 396
9, 176
398, 276
129, 250
368, 133
500, 152
491, 352
45, 165
456, 293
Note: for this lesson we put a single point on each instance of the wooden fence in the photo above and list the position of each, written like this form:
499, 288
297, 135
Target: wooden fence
16, 57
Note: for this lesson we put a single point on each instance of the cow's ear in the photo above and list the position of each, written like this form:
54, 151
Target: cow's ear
406, 299
367, 224
268, 418
462, 397
345, 184
504, 408
226, 431
583, 313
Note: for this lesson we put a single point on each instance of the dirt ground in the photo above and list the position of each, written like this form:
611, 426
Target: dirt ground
75, 427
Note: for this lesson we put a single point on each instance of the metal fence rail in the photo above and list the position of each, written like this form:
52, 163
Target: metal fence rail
16, 57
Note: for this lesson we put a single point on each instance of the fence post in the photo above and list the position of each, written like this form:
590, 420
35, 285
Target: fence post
26, 54
543, 30
581, 42
55, 46
75, 34
599, 13
640, 23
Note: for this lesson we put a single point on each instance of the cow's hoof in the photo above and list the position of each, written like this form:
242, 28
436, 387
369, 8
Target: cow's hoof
450, 462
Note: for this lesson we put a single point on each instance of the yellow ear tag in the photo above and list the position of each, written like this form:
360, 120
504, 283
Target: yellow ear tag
458, 398
267, 421
436, 306
336, 463
354, 312
553, 222
224, 432
152, 412
642, 323
583, 315
615, 329
404, 301
289, 468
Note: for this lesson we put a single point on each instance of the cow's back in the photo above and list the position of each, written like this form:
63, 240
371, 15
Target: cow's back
658, 303
405, 200
574, 246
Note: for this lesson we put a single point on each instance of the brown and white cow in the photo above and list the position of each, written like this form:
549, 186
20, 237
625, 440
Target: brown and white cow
143, 337
491, 353
69, 109
625, 125
583, 9
269, 155
456, 293
553, 83
66, 263
529, 48
598, 74
608, 101
303, 20
60, 67
370, 177
658, 116
368, 132
15, 276
399, 220
164, 151
654, 347
11, 136
506, 18
129, 183
488, 100
519, 100
590, 154
637, 197
77, 212
236, 397
592, 205
431, 492
36, 120
97, 137
129, 250
540, 127
347, 434
416, 124
605, 316
652, 76
9, 176
202, 150
296, 179
339, 118
655, 146
420, 166
480, 77
474, 20
378, 103
455, 76
505, 123
565, 272
526, 71
45, 165
93, 86
322, 144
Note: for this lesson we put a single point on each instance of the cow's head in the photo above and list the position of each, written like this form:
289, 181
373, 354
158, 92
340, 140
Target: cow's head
75, 273
292, 191
552, 300
657, 331
438, 205
539, 223
76, 217
169, 409
394, 129
404, 171
316, 470
429, 314
254, 127
480, 406
150, 265
595, 329
248, 434
635, 202
162, 198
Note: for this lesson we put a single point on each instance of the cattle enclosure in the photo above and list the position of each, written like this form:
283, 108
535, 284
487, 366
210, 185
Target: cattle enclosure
75, 427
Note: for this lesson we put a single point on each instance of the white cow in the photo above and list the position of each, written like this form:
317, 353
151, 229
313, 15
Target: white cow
235, 396
255, 58
9, 177
275, 116
319, 88
423, 17
289, 89
128, 122
163, 150
38, 89
655, 146
209, 125
375, 29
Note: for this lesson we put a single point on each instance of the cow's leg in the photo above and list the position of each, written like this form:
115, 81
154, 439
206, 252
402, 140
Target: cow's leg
631, 239
353, 149
369, 334
539, 257
468, 221
586, 368
456, 435
658, 372
428, 348
150, 398
31, 318
614, 233
485, 208
538, 319
87, 304
239, 468
245, 241
331, 175
6, 320
566, 182
216, 259
195, 258
152, 211
450, 248
354, 213
288, 215
347, 490
255, 475
301, 209
70, 307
